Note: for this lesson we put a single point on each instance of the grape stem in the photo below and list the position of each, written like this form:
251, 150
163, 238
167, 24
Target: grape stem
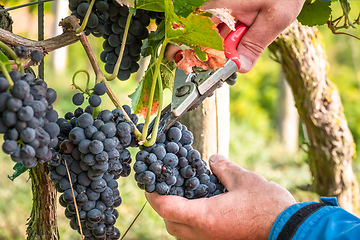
5, 72
76, 208
122, 49
132, 223
13, 55
154, 134
87, 81
152, 91
86, 18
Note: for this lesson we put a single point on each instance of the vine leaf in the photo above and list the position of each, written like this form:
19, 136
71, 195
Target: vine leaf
153, 42
4, 59
151, 5
176, 29
200, 54
315, 13
141, 95
186, 31
345, 5
167, 71
185, 7
19, 169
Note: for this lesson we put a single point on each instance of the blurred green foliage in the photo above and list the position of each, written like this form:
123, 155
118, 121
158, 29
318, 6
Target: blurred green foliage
254, 138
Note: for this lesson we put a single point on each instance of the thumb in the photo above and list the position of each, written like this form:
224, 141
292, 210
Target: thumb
260, 34
228, 173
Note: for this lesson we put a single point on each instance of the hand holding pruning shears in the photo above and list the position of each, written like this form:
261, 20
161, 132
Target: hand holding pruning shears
252, 204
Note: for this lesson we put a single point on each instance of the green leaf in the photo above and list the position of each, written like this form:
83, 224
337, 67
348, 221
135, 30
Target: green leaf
345, 5
184, 7
154, 40
151, 5
196, 30
19, 169
200, 54
139, 99
167, 70
315, 13
4, 59
141, 95
132, 10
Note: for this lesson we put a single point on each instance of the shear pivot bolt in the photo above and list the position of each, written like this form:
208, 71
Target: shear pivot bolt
182, 91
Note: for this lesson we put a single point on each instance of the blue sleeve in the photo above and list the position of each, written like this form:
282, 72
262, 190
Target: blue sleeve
311, 220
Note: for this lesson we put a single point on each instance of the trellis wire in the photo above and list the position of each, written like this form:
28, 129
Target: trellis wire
41, 33
25, 5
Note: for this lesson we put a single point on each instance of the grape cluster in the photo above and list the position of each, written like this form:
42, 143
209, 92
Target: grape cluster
23, 52
172, 166
108, 19
27, 119
94, 99
95, 152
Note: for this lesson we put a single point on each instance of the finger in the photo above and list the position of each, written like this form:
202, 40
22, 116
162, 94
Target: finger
178, 230
264, 30
171, 50
175, 208
228, 173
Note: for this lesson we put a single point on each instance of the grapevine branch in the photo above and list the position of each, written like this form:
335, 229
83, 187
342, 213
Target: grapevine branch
333, 25
68, 37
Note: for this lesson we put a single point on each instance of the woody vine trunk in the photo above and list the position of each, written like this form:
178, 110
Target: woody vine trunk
42, 223
300, 51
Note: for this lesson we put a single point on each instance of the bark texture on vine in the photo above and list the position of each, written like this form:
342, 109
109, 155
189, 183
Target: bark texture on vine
301, 52
42, 223
68, 37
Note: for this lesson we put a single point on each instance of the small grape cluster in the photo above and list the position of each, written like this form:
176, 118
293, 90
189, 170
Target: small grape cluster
98, 16
94, 99
172, 166
27, 119
114, 33
108, 19
23, 52
92, 153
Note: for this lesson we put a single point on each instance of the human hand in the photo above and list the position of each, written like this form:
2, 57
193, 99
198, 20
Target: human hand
266, 19
247, 211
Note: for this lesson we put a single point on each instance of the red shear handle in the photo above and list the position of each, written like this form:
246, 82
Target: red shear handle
232, 41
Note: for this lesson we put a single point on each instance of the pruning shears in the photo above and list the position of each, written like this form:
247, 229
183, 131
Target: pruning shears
191, 89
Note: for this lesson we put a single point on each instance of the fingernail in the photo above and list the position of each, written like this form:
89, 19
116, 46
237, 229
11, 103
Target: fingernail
246, 64
215, 158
